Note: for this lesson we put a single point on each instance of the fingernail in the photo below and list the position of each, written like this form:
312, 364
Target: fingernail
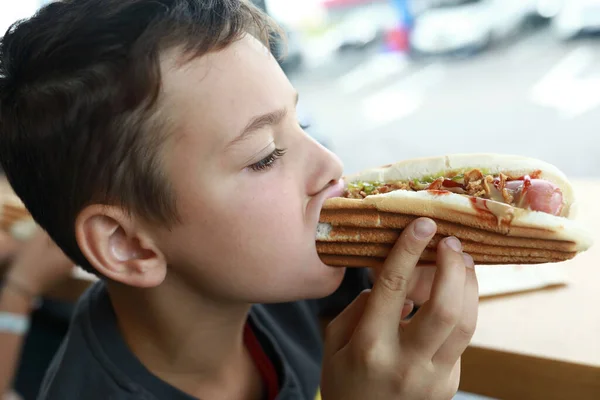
424, 228
407, 310
469, 263
454, 244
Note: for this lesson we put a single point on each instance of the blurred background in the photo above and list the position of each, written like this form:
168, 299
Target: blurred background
392, 79
384, 80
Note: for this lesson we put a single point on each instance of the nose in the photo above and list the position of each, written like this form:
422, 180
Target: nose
324, 168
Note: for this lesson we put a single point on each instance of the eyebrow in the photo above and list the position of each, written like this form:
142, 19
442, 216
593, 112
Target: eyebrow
261, 121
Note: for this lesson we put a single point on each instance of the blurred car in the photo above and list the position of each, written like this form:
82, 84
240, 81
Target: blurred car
358, 30
468, 25
357, 24
574, 17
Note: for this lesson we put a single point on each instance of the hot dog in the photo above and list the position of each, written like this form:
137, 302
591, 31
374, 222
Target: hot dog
526, 192
506, 209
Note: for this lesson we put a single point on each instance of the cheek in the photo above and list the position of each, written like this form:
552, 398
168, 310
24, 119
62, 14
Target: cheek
261, 219
270, 216
253, 243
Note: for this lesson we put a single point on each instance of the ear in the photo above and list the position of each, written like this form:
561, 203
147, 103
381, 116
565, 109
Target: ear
119, 247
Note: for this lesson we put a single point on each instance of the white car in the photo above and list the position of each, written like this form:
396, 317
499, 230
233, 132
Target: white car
468, 25
572, 17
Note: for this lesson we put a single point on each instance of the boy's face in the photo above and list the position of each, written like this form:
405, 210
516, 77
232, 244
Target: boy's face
248, 212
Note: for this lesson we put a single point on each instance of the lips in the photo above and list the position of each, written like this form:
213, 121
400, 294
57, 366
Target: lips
334, 189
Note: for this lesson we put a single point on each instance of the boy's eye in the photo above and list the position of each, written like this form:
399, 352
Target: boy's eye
304, 126
268, 161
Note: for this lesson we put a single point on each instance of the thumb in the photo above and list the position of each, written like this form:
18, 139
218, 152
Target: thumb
340, 329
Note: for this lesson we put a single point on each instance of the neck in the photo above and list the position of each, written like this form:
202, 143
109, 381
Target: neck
190, 341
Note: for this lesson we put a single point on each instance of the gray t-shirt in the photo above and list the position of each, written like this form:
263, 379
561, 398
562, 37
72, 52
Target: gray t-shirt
94, 362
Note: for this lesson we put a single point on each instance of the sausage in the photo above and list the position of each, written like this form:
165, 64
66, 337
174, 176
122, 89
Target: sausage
537, 195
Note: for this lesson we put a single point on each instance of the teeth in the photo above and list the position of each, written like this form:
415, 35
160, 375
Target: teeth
323, 230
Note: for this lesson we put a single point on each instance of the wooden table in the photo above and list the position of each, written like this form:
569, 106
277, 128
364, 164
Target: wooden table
544, 344
539, 345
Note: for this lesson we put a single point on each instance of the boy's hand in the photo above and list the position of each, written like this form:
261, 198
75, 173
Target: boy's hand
369, 354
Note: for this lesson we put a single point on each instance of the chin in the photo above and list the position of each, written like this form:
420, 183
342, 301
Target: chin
304, 279
322, 282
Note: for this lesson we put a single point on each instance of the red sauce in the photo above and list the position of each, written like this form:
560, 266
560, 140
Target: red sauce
526, 184
534, 175
439, 192
480, 205
450, 183
482, 208
497, 183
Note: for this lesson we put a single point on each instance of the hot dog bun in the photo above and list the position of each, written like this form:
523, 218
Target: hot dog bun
494, 232
513, 165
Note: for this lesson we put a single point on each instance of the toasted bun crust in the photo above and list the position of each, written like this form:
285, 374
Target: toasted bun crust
428, 257
391, 210
383, 250
345, 234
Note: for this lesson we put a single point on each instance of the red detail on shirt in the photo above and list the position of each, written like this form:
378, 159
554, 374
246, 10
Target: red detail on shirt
263, 363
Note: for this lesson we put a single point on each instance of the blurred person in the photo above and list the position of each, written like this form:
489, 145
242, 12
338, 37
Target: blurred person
157, 142
8, 248
37, 266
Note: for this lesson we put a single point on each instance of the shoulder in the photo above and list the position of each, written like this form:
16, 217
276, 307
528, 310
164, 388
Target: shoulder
80, 369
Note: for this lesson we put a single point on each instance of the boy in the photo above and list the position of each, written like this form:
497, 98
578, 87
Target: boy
156, 141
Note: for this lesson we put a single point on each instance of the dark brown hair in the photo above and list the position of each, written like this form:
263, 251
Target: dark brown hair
80, 119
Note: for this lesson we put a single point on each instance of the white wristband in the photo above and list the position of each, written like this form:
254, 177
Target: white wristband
13, 323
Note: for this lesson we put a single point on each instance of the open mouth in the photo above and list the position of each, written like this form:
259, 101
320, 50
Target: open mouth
335, 189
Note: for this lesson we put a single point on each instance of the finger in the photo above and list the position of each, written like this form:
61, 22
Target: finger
437, 318
461, 336
454, 379
421, 283
383, 309
340, 329
374, 272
